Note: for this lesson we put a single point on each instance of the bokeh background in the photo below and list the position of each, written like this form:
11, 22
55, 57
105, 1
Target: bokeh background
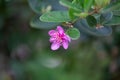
25, 52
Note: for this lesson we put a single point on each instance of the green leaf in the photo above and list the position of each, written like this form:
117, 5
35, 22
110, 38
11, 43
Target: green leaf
82, 25
112, 7
71, 14
36, 23
74, 33
105, 17
35, 5
87, 5
69, 4
78, 3
91, 21
42, 6
55, 16
114, 21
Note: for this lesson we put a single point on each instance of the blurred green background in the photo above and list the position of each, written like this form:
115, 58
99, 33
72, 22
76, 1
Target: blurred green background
25, 52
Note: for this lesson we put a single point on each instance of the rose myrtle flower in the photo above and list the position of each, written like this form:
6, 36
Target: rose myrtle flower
59, 38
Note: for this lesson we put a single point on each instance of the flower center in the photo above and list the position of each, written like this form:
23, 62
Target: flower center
59, 38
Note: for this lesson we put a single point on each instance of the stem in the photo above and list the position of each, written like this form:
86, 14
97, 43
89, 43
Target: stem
96, 10
69, 24
93, 12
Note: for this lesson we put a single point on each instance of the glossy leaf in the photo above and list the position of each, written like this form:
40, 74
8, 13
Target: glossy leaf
78, 3
69, 4
87, 5
38, 5
71, 13
74, 33
113, 6
91, 21
105, 17
55, 16
114, 21
36, 23
83, 26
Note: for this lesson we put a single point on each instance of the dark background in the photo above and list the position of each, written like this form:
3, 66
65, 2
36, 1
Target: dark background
25, 52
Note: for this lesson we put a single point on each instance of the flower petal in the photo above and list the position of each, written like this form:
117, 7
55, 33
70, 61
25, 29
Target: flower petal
55, 46
52, 39
65, 44
60, 29
52, 32
66, 37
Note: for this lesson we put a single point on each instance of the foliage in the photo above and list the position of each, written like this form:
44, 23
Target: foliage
97, 13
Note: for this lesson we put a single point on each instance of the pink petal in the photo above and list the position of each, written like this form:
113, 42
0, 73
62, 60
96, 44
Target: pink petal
52, 39
66, 37
55, 46
52, 32
60, 29
65, 44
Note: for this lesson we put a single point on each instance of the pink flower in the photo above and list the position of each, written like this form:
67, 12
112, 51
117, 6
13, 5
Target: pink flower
59, 38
